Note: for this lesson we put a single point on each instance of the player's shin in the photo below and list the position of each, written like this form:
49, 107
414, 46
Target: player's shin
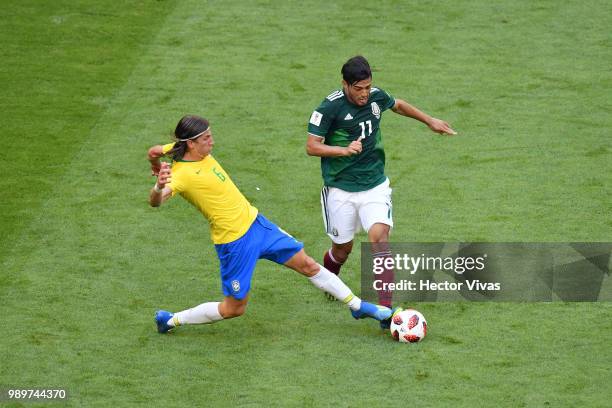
201, 314
332, 284
381, 250
330, 263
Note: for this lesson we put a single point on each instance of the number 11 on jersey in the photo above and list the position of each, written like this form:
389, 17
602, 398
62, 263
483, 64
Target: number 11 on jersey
363, 129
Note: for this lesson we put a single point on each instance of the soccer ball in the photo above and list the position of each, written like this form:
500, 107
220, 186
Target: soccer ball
408, 326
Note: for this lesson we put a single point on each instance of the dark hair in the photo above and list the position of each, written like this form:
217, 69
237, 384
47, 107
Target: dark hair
188, 127
356, 69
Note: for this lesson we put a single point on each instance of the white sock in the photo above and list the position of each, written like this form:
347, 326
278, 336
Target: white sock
332, 284
201, 314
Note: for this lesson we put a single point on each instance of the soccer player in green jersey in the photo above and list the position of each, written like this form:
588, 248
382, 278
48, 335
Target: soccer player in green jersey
344, 131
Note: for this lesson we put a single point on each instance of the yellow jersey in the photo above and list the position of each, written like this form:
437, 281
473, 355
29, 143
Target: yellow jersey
207, 186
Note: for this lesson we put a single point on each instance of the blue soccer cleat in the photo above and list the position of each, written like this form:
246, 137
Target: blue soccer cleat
377, 312
161, 318
386, 324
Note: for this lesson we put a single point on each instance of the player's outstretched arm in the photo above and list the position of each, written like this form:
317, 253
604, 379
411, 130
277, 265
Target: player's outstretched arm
439, 126
160, 192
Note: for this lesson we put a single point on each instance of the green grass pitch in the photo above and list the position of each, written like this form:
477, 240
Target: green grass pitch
88, 86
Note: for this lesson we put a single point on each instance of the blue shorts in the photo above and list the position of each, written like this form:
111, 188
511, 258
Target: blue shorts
238, 258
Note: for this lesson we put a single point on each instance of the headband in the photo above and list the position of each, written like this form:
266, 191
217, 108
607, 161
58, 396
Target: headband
193, 137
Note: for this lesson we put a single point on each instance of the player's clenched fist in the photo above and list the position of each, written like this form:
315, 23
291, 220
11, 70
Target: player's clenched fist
354, 148
164, 176
155, 168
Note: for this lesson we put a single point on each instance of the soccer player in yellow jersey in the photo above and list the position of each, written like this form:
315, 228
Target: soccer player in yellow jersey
241, 235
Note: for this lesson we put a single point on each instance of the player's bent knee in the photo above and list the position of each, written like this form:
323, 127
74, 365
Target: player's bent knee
379, 233
231, 313
307, 266
303, 264
239, 311
231, 310
311, 267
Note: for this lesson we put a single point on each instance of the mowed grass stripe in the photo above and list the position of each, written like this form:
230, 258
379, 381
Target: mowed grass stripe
69, 272
62, 62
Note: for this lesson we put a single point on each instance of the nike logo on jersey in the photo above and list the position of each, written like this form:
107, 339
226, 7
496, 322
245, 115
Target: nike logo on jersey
198, 172
348, 116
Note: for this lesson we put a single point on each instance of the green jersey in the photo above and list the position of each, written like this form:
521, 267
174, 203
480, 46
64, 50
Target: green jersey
340, 122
